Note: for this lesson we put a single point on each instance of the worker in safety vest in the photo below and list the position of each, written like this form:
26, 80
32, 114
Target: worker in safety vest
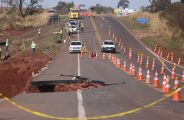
82, 27
70, 31
33, 46
80, 24
61, 33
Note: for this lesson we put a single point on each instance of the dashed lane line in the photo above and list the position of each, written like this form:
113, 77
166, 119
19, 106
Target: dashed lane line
81, 110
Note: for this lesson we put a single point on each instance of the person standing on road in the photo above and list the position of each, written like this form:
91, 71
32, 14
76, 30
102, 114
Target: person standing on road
79, 24
82, 27
33, 46
70, 31
7, 46
61, 33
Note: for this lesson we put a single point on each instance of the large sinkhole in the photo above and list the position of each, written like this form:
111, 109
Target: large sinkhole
73, 84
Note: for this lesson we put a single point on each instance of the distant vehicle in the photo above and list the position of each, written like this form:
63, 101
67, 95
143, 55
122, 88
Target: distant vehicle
71, 23
74, 13
72, 29
71, 20
108, 46
75, 46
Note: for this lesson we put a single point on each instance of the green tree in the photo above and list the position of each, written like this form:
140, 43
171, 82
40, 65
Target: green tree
123, 3
26, 7
101, 9
63, 7
159, 5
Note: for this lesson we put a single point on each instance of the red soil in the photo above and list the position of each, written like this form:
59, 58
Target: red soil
17, 71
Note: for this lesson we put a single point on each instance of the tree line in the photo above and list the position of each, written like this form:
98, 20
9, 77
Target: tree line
25, 7
155, 5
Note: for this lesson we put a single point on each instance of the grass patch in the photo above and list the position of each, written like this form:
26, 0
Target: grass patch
131, 24
157, 33
12, 21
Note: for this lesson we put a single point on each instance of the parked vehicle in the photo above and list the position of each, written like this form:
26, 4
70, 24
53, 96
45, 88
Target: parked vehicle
75, 46
108, 46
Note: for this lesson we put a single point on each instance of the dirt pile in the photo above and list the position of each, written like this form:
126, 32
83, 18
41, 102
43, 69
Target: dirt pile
17, 71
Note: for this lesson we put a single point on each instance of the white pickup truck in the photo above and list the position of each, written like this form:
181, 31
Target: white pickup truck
108, 46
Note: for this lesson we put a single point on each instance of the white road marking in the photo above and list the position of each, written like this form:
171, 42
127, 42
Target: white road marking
73, 78
81, 110
78, 65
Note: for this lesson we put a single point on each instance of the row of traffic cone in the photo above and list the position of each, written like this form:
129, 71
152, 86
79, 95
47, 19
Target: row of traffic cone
166, 88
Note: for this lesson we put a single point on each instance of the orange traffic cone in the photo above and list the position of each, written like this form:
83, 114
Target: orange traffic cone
81, 54
103, 56
176, 83
124, 66
153, 65
130, 69
110, 56
118, 63
140, 75
182, 77
167, 86
96, 55
133, 70
130, 54
140, 62
147, 62
163, 84
115, 59
177, 95
148, 77
172, 73
163, 69
138, 58
156, 81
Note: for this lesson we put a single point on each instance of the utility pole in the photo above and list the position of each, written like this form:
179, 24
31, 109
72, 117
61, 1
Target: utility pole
92, 32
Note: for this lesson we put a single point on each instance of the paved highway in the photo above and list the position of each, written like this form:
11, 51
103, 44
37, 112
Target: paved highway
120, 92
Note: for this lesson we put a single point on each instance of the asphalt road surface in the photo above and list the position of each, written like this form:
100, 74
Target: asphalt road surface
120, 93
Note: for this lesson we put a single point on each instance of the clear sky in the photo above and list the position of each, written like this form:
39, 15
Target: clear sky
134, 4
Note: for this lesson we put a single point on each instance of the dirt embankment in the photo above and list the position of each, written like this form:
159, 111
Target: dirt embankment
17, 71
